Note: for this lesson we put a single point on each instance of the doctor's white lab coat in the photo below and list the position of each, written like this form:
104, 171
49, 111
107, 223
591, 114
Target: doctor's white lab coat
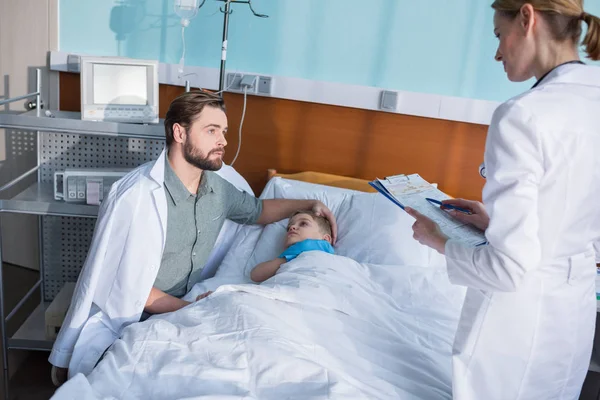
527, 324
121, 266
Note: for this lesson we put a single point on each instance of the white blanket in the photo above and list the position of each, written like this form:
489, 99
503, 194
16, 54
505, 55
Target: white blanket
325, 327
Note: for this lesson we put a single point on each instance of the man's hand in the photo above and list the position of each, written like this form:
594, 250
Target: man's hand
427, 232
204, 295
323, 211
159, 302
59, 375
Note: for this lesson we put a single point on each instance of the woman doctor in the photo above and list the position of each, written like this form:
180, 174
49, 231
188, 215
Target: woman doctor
528, 319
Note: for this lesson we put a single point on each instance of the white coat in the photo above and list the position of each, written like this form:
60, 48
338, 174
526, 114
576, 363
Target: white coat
527, 324
122, 265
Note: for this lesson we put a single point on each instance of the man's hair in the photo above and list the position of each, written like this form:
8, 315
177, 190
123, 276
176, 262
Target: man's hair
322, 222
185, 108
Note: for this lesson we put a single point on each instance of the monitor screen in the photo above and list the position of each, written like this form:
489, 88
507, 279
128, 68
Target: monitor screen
120, 84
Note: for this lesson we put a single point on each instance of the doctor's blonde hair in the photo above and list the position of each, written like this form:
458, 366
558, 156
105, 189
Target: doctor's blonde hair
564, 17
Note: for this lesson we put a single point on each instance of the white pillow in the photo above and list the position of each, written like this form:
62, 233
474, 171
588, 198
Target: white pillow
376, 231
371, 229
270, 244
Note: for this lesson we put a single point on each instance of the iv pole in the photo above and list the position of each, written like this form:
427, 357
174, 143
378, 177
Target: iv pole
227, 11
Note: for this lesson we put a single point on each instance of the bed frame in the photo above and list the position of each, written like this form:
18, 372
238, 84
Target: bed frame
321, 178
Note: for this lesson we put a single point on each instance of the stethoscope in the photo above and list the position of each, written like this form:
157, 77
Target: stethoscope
482, 166
555, 68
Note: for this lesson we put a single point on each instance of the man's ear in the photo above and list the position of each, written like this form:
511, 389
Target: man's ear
179, 133
328, 238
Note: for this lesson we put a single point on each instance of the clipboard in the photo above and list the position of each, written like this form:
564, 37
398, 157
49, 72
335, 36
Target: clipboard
413, 191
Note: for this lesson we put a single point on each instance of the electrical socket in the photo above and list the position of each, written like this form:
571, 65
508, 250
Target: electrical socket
265, 85
234, 83
262, 85
249, 82
388, 100
73, 63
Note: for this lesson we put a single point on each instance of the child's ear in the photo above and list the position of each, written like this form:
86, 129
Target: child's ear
328, 238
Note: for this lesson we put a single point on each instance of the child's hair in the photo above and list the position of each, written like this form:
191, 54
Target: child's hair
322, 222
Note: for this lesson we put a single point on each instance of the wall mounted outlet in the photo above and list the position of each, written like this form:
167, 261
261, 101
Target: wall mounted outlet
235, 80
388, 101
249, 83
73, 63
262, 85
265, 85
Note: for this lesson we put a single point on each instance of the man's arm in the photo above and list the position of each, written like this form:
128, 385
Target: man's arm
159, 302
266, 270
277, 209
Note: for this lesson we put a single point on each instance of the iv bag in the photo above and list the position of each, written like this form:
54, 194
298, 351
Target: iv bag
186, 9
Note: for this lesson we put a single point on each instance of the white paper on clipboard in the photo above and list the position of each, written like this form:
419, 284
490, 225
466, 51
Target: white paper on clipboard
412, 191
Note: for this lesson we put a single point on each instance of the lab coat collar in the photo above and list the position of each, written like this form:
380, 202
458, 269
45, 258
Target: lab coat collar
157, 173
573, 74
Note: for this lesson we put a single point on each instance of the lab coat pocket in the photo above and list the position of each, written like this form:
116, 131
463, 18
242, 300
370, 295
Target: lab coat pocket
582, 269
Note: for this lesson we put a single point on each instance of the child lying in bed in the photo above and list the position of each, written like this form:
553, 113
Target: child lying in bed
306, 231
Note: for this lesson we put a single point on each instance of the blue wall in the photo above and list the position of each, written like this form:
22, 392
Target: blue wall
429, 46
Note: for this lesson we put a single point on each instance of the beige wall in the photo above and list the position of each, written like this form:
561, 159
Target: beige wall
28, 30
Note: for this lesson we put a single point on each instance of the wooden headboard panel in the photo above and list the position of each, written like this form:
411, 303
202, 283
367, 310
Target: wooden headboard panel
293, 136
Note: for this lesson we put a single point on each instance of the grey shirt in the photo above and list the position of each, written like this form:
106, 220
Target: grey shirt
193, 225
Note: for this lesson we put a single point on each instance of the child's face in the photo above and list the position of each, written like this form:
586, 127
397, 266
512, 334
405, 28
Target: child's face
302, 227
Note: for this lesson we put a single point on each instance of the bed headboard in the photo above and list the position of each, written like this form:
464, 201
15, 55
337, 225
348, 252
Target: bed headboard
325, 179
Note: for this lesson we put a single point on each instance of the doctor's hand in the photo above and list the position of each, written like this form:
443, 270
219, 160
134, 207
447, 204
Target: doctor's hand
479, 218
427, 232
323, 211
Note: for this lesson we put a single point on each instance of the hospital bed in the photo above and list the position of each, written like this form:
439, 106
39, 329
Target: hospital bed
375, 321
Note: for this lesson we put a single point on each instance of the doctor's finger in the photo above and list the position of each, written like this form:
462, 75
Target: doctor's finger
414, 213
462, 217
470, 204
421, 219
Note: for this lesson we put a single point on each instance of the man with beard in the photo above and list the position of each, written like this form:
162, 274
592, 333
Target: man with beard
155, 232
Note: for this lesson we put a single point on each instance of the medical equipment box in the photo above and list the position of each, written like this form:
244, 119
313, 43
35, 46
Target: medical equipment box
56, 312
119, 89
86, 186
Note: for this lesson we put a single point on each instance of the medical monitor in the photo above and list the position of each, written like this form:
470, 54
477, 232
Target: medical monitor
118, 89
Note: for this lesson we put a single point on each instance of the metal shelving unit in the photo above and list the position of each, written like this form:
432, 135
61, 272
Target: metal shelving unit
71, 122
39, 199
63, 141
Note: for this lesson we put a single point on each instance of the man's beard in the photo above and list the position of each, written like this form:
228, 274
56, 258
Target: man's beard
199, 160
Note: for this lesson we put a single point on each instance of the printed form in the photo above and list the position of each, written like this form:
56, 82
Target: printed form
412, 191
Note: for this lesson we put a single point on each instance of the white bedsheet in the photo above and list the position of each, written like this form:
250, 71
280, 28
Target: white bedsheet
325, 327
